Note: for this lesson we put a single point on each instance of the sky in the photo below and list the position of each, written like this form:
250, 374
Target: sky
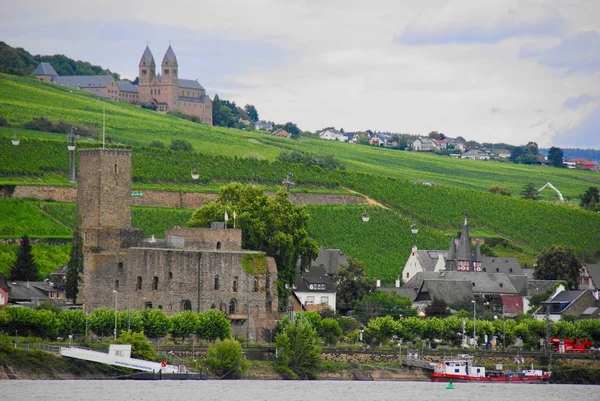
488, 70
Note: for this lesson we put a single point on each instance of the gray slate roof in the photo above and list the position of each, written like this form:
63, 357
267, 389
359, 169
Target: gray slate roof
126, 86
315, 275
170, 56
147, 56
502, 265
189, 84
594, 271
201, 99
520, 283
452, 292
537, 286
44, 69
481, 283
429, 258
567, 296
25, 291
84, 81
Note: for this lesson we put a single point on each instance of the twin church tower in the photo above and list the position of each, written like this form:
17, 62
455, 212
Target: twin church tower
167, 91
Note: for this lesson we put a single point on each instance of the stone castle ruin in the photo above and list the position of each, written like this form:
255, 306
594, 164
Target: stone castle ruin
193, 269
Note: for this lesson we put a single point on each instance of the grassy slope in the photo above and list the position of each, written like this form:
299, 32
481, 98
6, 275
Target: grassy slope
22, 99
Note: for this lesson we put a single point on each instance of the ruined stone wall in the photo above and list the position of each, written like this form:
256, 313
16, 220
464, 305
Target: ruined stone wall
209, 238
173, 279
187, 200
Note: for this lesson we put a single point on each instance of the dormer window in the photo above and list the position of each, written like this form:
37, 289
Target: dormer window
166, 72
144, 72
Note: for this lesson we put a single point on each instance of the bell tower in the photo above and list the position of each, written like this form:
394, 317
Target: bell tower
147, 72
169, 68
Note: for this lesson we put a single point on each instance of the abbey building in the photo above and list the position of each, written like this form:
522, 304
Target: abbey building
162, 90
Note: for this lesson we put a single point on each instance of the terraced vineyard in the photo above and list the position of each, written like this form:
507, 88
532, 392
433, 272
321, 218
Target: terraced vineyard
22, 99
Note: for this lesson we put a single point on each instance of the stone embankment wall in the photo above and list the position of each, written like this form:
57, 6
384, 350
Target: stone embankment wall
186, 200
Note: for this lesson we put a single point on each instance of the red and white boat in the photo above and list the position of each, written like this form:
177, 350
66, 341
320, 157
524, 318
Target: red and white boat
462, 370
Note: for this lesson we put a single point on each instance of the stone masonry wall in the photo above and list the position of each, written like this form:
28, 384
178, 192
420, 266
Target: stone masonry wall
170, 279
187, 200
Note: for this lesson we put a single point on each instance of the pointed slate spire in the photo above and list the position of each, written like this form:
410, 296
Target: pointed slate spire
170, 57
147, 57
477, 256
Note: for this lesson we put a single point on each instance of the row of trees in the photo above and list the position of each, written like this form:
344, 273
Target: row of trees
49, 322
229, 114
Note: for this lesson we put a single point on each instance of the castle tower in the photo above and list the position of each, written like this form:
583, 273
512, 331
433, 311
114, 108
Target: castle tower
104, 199
169, 68
147, 72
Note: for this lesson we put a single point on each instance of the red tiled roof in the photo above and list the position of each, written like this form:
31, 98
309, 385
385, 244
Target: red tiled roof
512, 303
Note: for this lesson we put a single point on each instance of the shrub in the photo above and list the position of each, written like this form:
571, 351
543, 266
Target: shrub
181, 145
156, 144
500, 190
226, 360
298, 352
3, 122
140, 347
39, 124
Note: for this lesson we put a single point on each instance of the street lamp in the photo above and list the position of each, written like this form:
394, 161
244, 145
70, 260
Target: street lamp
116, 314
71, 147
474, 318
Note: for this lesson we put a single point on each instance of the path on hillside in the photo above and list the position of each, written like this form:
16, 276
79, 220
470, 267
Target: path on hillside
370, 201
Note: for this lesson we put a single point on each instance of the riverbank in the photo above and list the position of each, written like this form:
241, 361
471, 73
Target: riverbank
20, 364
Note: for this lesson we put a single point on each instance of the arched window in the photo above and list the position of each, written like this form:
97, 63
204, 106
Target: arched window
235, 284
213, 306
139, 283
148, 305
232, 307
170, 275
268, 283
217, 282
116, 169
116, 284
219, 245
186, 305
120, 267
155, 283
255, 287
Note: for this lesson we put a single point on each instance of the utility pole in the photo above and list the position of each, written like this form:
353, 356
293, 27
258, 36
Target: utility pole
288, 181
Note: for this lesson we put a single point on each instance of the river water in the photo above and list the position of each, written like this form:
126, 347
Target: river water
277, 390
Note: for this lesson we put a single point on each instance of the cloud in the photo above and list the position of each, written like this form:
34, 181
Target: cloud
583, 134
481, 22
577, 53
580, 101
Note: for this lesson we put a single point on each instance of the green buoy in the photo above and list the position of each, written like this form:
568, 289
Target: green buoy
450, 386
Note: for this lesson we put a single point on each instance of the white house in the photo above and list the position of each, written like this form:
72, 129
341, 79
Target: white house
423, 144
332, 135
315, 289
420, 261
476, 155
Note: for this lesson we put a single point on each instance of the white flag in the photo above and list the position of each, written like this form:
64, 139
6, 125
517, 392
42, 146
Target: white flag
226, 217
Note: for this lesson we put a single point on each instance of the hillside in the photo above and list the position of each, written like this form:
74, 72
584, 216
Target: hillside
22, 99
223, 155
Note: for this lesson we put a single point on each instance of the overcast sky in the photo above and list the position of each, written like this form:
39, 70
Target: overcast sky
493, 71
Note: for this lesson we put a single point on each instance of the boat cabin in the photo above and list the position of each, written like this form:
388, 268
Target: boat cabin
463, 365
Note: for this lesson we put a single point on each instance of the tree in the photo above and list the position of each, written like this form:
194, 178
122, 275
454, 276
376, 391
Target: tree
181, 145
352, 284
500, 190
529, 192
74, 267
156, 144
590, 200
140, 347
298, 351
378, 304
184, 324
270, 224
559, 263
102, 322
226, 359
156, 323
25, 268
555, 156
226, 116
516, 153
330, 331
216, 111
434, 135
213, 325
252, 113
437, 308
292, 129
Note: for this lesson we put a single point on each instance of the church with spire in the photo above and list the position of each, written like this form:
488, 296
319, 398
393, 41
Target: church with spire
460, 256
166, 91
